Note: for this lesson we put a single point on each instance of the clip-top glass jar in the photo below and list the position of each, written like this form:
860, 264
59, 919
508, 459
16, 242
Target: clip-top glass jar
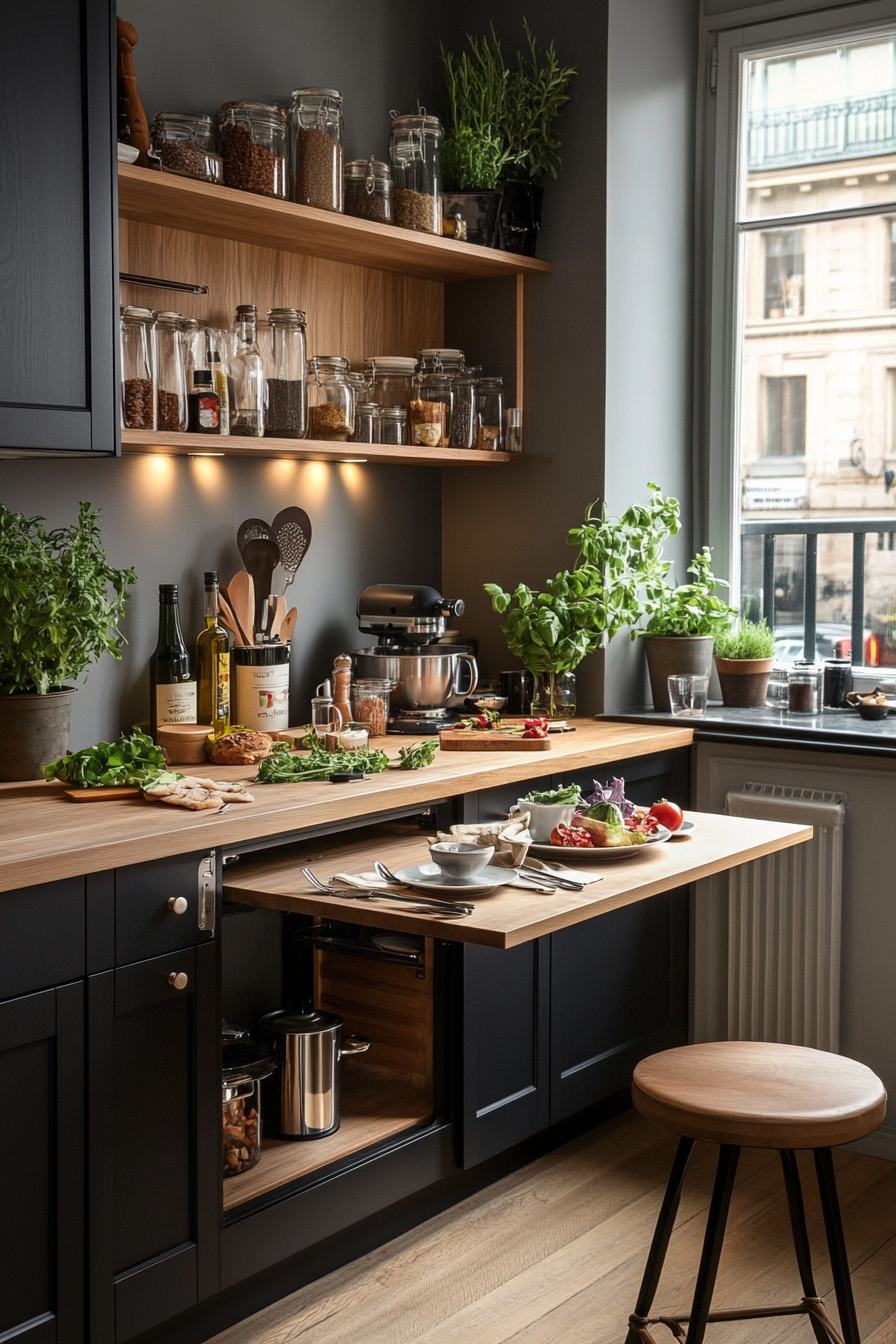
489, 413
804, 688
138, 368
437, 359
429, 410
414, 150
171, 380
186, 144
331, 399
390, 378
244, 1067
315, 148
286, 398
368, 190
253, 147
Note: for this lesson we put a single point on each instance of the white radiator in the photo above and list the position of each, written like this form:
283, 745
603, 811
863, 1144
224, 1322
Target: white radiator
784, 923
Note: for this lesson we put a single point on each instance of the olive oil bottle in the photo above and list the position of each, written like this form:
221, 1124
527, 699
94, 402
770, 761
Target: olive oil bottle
213, 663
172, 687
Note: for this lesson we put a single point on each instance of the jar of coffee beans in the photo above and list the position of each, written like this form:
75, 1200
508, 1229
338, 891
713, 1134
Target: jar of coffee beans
286, 398
253, 147
315, 148
368, 190
186, 144
414, 146
331, 399
138, 368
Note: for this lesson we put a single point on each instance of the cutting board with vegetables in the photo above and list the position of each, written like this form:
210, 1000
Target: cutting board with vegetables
471, 739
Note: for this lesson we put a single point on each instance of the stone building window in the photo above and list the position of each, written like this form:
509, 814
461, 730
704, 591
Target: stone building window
785, 417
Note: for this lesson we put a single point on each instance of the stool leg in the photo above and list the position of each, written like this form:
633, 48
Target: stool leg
833, 1226
712, 1242
660, 1244
801, 1235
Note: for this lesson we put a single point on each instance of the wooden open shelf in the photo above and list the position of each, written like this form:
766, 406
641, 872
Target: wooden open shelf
220, 212
306, 450
377, 1103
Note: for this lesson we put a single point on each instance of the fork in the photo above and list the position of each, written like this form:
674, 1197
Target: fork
419, 902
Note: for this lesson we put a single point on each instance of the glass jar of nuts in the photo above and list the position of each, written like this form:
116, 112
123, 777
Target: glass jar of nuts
186, 144
331, 399
244, 1067
414, 146
253, 147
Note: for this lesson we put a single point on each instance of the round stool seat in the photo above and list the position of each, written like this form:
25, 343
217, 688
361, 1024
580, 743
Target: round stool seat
756, 1094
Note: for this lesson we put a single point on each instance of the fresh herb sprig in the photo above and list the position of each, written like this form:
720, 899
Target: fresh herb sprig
754, 639
417, 756
283, 768
132, 760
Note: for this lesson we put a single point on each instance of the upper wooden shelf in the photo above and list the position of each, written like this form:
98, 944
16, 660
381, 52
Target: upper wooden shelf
220, 212
309, 450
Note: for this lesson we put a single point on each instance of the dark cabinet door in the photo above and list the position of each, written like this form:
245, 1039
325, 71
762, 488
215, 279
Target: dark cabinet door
42, 1227
154, 1141
58, 373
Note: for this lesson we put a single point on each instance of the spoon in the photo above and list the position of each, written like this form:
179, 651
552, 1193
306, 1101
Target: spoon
261, 557
251, 530
291, 530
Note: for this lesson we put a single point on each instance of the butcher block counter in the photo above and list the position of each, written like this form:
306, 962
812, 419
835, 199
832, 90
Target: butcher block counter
44, 836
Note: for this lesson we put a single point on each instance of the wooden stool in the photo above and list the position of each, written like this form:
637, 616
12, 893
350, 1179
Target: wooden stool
753, 1094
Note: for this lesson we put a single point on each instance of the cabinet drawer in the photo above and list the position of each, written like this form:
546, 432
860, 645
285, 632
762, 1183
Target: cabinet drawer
164, 905
41, 936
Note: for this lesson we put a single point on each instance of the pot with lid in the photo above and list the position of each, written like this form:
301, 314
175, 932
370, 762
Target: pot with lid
306, 1089
244, 1066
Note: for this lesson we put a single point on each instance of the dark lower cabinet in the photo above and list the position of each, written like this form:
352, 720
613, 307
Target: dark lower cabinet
154, 1141
42, 1226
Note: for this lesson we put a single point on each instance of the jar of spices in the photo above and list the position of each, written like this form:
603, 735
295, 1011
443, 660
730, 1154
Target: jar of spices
331, 399
490, 413
393, 424
368, 190
186, 144
367, 422
286, 398
138, 368
429, 410
253, 147
315, 147
390, 378
804, 688
370, 703
414, 146
171, 379
837, 683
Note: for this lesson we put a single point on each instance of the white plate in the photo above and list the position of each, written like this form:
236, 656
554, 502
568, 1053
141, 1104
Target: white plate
601, 852
429, 877
684, 829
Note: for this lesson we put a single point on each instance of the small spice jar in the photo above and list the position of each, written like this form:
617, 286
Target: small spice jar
171, 392
354, 736
285, 388
368, 190
414, 145
367, 422
804, 688
186, 144
253, 147
315, 148
331, 399
393, 424
837, 683
429, 410
490, 413
138, 368
370, 703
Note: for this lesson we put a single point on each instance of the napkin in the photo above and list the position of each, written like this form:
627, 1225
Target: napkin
511, 840
561, 870
365, 882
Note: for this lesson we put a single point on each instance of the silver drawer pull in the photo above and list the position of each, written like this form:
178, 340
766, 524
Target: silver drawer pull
179, 979
178, 904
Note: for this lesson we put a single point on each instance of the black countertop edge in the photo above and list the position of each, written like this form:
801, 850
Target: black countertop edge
834, 730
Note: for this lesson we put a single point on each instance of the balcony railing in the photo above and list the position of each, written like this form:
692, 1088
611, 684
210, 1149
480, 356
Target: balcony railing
851, 128
812, 529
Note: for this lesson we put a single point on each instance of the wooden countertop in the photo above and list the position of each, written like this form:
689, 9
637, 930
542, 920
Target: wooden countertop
44, 836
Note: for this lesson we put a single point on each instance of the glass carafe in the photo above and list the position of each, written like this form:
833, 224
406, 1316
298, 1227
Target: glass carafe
247, 377
138, 368
414, 146
331, 399
315, 147
170, 374
286, 406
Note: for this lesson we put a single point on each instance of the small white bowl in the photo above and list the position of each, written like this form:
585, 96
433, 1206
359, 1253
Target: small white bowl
127, 153
459, 860
543, 817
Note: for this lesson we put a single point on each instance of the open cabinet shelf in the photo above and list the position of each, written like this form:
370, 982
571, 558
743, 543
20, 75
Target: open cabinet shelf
305, 450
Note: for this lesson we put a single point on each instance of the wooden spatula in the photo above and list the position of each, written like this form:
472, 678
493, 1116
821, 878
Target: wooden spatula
288, 624
277, 613
241, 592
229, 619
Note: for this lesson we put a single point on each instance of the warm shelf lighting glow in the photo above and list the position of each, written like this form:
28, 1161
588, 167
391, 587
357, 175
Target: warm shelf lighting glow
206, 454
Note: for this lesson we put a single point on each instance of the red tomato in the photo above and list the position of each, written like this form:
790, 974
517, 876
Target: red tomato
667, 814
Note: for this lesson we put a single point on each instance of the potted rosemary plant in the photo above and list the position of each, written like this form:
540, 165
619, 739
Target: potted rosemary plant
744, 660
59, 617
682, 624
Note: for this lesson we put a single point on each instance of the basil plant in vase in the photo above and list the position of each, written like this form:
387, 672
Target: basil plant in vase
62, 602
682, 624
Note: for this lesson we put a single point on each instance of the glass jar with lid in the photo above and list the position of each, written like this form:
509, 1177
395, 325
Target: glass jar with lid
253, 147
368, 190
286, 398
463, 417
490, 413
414, 146
777, 695
437, 359
171, 379
390, 378
393, 424
370, 703
804, 688
331, 399
247, 404
367, 422
186, 144
429, 410
244, 1067
315, 148
138, 368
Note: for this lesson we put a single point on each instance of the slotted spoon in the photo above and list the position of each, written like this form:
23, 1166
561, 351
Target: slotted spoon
291, 530
252, 529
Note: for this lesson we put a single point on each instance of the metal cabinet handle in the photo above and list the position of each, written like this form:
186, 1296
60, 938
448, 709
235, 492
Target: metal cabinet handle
178, 904
179, 979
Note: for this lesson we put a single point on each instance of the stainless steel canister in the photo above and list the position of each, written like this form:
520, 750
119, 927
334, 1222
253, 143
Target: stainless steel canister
426, 677
306, 1087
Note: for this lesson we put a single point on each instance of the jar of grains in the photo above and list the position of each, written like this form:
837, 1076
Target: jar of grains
171, 380
186, 144
368, 190
253, 147
138, 368
390, 378
463, 417
429, 410
315, 148
331, 399
414, 150
370, 703
490, 413
286, 398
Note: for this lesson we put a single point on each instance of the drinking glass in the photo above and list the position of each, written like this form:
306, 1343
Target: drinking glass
687, 695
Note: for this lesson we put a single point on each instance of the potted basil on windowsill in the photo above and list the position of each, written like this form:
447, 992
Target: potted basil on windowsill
744, 660
58, 618
682, 626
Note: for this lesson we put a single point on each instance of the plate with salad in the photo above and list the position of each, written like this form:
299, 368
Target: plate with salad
606, 825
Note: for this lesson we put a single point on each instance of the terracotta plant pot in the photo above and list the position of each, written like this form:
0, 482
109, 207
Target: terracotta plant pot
675, 655
34, 731
744, 681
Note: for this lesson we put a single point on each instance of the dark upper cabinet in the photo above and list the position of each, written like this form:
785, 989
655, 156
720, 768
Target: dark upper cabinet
59, 255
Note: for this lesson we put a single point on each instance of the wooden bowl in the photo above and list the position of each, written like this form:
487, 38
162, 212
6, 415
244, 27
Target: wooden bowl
184, 743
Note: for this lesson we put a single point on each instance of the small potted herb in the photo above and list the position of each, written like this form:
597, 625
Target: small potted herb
744, 660
59, 617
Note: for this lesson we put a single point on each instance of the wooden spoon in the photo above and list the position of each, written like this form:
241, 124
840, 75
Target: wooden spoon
288, 624
230, 620
277, 613
241, 592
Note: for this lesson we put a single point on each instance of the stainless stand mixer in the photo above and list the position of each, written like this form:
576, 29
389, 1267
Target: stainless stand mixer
409, 621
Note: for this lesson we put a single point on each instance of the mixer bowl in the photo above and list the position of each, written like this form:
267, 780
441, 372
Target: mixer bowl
426, 677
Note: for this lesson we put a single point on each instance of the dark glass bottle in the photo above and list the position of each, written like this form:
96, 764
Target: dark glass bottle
203, 405
213, 664
172, 690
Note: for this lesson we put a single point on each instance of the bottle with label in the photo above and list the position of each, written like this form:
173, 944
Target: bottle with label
213, 664
172, 690
203, 406
247, 375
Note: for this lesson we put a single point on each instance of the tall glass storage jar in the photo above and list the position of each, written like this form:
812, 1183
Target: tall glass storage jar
254, 148
171, 391
489, 413
187, 145
414, 150
138, 368
429, 410
286, 397
390, 378
315, 148
246, 376
368, 190
463, 417
331, 399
